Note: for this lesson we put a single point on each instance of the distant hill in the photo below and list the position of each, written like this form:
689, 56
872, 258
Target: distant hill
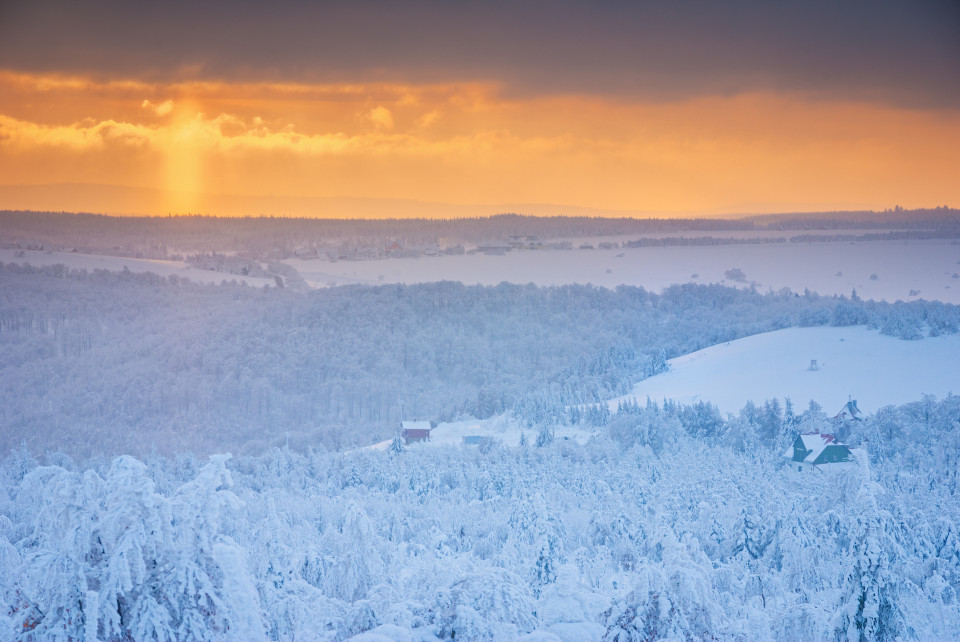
121, 200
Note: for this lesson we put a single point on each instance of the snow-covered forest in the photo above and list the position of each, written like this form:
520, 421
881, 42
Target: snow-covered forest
438, 321
668, 525
122, 363
123, 517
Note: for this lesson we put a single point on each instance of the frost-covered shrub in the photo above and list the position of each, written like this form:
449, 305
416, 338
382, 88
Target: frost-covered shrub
489, 604
848, 312
870, 608
903, 326
736, 274
356, 566
665, 604
569, 609
815, 317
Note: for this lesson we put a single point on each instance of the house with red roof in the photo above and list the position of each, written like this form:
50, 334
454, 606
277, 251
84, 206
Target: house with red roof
414, 431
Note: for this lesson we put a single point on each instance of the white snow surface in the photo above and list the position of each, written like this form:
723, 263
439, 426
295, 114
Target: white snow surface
926, 268
90, 262
501, 429
874, 369
827, 268
854, 361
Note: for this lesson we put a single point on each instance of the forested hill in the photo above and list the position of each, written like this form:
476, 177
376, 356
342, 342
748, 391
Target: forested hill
126, 363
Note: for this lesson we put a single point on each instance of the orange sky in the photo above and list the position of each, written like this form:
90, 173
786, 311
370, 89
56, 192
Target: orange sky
467, 143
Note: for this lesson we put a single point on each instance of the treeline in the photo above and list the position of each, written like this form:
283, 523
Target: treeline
666, 525
897, 218
909, 235
267, 238
124, 363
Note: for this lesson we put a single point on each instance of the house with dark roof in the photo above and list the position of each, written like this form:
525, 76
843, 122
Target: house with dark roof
849, 412
817, 449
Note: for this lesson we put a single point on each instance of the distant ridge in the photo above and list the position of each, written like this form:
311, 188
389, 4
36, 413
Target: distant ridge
119, 200
273, 237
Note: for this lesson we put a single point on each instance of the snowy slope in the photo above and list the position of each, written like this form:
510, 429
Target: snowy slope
875, 369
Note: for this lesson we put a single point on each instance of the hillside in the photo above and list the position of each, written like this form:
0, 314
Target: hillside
874, 369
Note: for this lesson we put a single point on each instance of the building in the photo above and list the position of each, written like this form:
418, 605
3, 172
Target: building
415, 431
524, 242
849, 412
493, 247
817, 449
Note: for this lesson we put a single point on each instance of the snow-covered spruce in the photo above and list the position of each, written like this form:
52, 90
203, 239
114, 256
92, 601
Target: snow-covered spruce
706, 534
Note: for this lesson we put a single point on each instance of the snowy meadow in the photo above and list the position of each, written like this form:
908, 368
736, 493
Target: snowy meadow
623, 479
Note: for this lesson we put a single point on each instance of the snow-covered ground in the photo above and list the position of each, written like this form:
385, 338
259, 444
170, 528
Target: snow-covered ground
502, 429
90, 262
874, 369
882, 270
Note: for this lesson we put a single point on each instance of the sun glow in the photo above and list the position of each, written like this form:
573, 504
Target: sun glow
183, 178
470, 144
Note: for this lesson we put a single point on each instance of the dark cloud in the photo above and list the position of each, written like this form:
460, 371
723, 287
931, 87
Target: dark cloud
900, 51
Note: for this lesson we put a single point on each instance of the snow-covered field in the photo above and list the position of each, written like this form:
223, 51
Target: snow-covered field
881, 270
90, 262
927, 267
874, 369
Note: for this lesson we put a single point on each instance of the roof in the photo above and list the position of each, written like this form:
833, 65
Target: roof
849, 409
415, 425
814, 443
817, 440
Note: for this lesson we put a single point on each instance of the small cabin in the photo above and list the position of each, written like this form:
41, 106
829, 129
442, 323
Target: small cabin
415, 431
472, 440
817, 449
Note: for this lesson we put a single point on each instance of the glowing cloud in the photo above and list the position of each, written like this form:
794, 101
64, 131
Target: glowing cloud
161, 109
381, 117
471, 143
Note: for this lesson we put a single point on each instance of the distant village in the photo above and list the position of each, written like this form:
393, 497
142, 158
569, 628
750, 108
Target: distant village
397, 250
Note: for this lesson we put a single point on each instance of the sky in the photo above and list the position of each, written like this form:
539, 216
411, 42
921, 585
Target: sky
645, 108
